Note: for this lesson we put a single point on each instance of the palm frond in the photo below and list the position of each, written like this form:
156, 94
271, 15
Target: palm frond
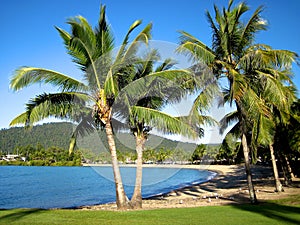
254, 24
85, 126
195, 49
111, 85
82, 30
118, 125
146, 64
166, 65
162, 121
72, 144
238, 84
216, 38
228, 120
282, 58
142, 38
205, 99
104, 36
78, 56
197, 121
26, 76
93, 76
263, 130
122, 50
21, 119
155, 84
65, 36
88, 50
253, 105
235, 130
276, 93
258, 57
64, 105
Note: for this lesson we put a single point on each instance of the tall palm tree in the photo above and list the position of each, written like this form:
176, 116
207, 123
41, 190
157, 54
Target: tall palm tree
144, 98
263, 129
89, 102
279, 93
277, 90
234, 57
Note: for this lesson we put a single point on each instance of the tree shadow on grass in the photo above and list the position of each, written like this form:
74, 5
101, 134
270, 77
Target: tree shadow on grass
16, 214
283, 213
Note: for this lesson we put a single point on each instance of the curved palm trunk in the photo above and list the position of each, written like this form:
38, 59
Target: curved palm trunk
278, 186
136, 200
248, 170
289, 168
121, 198
286, 169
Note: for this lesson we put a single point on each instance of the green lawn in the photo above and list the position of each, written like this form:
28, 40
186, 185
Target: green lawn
275, 212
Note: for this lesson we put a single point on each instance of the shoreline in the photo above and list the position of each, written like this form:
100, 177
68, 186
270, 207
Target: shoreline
220, 169
229, 186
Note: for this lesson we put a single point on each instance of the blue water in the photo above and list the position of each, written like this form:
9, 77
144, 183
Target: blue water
67, 187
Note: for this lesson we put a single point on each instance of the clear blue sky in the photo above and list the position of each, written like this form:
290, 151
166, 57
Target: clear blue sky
28, 37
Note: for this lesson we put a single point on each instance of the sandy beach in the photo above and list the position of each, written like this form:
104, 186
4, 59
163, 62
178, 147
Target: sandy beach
228, 187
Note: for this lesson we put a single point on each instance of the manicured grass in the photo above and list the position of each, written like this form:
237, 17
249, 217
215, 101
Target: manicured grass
275, 212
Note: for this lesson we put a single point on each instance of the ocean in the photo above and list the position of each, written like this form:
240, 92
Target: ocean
69, 187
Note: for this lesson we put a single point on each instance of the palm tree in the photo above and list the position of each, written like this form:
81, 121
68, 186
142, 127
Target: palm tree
144, 119
279, 93
143, 98
289, 133
263, 129
89, 102
229, 148
234, 57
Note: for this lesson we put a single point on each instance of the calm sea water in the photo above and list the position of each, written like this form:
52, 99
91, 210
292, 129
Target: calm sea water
67, 187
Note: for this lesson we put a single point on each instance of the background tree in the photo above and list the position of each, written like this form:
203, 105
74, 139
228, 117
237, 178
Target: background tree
229, 149
272, 82
287, 143
198, 153
149, 156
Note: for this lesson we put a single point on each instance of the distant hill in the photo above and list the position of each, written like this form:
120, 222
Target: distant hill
52, 134
58, 134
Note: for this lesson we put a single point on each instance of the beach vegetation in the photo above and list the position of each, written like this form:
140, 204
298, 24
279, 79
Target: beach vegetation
39, 156
253, 77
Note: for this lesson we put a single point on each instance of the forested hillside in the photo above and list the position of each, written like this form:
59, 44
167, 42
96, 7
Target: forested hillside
47, 135
58, 135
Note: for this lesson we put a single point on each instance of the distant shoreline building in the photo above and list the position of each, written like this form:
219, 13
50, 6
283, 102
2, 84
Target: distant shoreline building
11, 157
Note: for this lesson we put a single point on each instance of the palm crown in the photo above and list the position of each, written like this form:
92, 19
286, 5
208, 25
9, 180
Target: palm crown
103, 75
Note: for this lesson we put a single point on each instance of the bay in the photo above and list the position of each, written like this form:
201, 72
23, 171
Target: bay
69, 187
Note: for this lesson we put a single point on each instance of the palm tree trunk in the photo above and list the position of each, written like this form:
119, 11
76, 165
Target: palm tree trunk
278, 186
136, 200
121, 198
248, 170
291, 174
284, 170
